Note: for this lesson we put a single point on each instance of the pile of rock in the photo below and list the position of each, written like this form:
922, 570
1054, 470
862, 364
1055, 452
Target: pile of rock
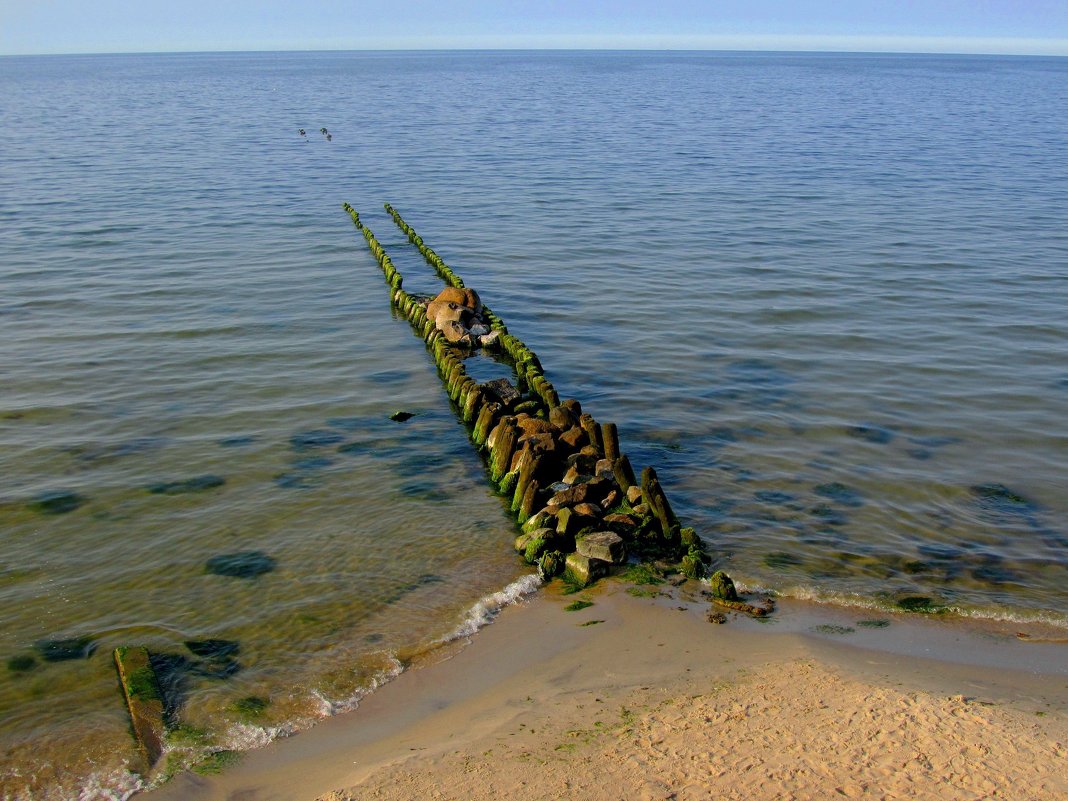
457, 314
574, 494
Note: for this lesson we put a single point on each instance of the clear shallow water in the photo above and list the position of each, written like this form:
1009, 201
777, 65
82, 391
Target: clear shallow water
823, 295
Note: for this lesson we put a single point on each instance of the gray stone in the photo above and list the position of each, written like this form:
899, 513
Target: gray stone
604, 545
502, 391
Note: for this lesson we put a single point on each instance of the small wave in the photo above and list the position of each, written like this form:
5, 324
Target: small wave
1038, 617
246, 736
118, 785
328, 707
486, 609
1029, 617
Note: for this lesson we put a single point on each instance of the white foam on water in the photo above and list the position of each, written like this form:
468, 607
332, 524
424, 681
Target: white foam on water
329, 707
118, 785
487, 608
246, 736
1038, 617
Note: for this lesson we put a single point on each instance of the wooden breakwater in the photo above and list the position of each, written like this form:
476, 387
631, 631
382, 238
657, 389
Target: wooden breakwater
570, 486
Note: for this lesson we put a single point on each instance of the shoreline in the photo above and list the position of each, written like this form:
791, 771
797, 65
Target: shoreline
536, 675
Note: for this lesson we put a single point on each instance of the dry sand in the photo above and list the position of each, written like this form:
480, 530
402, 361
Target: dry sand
656, 703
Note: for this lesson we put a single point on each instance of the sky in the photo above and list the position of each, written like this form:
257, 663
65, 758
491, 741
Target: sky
1033, 27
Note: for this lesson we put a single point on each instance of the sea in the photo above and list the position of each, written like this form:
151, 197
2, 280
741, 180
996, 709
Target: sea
824, 295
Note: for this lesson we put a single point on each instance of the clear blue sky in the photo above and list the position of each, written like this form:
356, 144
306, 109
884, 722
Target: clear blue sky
109, 26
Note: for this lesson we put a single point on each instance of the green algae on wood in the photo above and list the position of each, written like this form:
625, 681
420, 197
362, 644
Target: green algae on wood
144, 700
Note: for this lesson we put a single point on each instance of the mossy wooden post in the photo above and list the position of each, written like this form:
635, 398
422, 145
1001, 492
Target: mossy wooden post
623, 472
654, 496
143, 699
593, 431
529, 502
472, 403
487, 419
503, 448
525, 471
610, 440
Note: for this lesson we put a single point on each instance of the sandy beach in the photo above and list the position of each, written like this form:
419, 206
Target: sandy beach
637, 697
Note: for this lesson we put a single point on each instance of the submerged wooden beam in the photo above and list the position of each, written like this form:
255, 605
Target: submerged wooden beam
143, 699
562, 473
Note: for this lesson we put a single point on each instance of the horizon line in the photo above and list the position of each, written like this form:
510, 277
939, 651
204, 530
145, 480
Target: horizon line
547, 49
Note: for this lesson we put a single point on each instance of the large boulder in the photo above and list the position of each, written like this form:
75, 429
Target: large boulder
604, 545
442, 312
585, 570
461, 297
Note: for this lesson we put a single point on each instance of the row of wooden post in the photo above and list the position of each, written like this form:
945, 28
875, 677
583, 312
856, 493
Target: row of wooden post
482, 413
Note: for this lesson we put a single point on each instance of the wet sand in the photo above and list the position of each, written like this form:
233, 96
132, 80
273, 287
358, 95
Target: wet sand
654, 702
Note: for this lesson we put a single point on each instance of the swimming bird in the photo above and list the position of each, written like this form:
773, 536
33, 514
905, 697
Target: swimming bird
324, 132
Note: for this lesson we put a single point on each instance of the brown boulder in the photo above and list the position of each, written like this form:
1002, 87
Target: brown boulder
534, 425
569, 497
574, 438
442, 312
562, 418
588, 510
621, 524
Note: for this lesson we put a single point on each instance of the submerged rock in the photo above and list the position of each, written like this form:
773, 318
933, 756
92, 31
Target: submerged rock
401, 417
195, 484
56, 502
999, 498
22, 663
245, 564
213, 649
781, 559
840, 493
316, 438
64, 650
295, 481
236, 441
871, 433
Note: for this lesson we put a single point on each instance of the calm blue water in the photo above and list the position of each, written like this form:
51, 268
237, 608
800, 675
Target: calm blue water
824, 295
